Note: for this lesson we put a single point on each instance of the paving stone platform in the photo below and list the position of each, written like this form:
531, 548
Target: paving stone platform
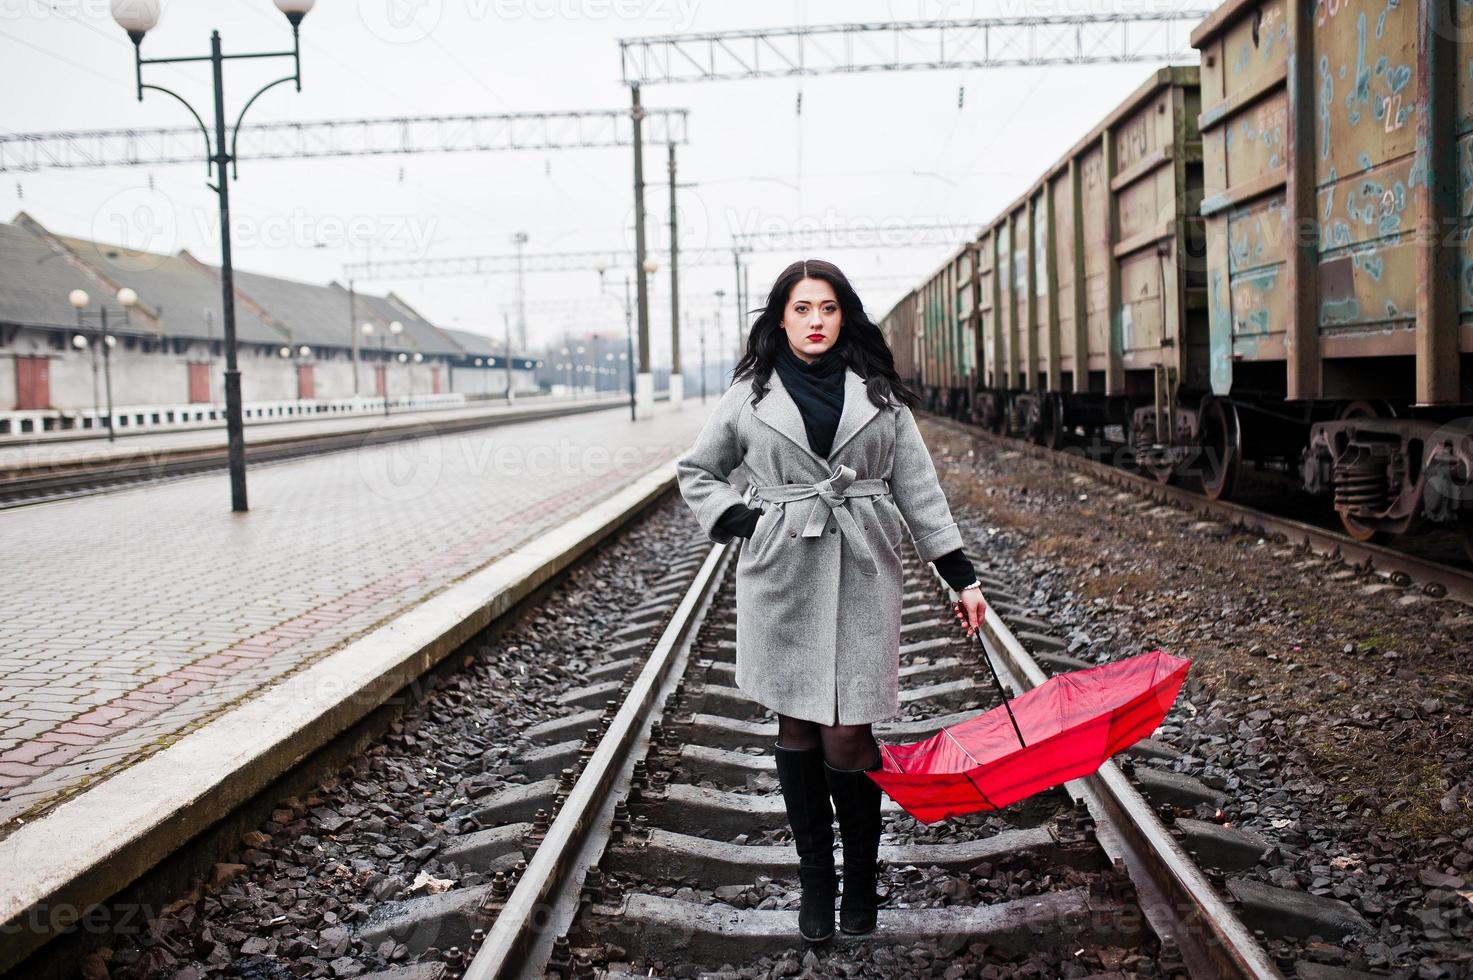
130, 618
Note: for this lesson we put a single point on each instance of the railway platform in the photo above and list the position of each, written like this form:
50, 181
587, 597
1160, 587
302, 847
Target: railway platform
139, 617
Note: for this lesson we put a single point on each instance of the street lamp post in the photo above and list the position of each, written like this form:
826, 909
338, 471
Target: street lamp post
395, 328
138, 17
628, 331
703, 360
507, 317
720, 295
79, 299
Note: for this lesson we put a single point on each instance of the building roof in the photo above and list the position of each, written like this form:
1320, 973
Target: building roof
179, 296
319, 316
36, 281
475, 344
183, 297
419, 334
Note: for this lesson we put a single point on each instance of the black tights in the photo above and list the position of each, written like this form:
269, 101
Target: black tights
844, 746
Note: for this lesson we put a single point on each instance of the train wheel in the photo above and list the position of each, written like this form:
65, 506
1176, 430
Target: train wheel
1362, 409
1054, 433
1361, 532
1221, 457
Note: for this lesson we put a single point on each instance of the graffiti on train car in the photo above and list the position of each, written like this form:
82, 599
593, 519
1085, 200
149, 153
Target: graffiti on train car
1368, 244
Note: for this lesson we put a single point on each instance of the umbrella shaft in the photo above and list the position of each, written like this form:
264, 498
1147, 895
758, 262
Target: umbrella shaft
1001, 692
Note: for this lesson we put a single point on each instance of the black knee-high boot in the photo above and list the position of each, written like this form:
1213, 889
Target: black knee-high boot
857, 803
800, 772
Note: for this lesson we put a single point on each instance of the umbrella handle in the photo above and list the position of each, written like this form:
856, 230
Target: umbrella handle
1001, 692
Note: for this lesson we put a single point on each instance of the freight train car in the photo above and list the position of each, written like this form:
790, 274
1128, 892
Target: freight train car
937, 323
898, 326
1084, 303
1266, 261
1338, 144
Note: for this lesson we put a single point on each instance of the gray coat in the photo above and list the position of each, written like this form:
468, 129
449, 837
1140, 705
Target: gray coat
819, 582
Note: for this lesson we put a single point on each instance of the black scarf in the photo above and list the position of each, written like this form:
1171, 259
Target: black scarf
818, 390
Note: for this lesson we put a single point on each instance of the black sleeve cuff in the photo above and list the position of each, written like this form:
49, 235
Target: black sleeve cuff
956, 568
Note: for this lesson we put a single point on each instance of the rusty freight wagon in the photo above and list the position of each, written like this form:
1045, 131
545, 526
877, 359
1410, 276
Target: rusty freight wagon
1091, 287
945, 330
898, 326
1338, 146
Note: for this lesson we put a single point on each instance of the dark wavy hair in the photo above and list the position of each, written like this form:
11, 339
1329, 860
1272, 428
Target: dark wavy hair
860, 341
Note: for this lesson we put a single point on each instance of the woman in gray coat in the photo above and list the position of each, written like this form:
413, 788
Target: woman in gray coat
822, 425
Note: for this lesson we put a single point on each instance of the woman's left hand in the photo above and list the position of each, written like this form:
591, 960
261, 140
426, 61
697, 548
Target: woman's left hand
970, 608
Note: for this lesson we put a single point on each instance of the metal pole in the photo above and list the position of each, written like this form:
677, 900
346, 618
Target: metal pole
703, 360
629, 343
674, 280
234, 422
107, 375
353, 331
720, 295
383, 348
639, 253
520, 239
507, 318
82, 326
736, 265
742, 308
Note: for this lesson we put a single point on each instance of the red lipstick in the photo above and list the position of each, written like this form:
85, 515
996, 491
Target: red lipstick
815, 336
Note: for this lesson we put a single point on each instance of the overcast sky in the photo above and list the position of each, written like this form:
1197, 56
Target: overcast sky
888, 147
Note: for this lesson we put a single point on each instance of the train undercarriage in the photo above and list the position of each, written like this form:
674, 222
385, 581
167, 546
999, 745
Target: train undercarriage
1387, 471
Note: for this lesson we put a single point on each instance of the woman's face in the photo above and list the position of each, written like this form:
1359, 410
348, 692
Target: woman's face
812, 318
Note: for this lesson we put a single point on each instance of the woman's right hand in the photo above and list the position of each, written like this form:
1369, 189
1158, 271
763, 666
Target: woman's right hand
971, 609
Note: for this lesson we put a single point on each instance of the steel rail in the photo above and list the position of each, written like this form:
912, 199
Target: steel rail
545, 898
1182, 903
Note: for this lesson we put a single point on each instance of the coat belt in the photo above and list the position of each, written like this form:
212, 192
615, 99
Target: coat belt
831, 494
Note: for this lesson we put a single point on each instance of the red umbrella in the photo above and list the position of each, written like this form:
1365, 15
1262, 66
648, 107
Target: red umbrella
1061, 730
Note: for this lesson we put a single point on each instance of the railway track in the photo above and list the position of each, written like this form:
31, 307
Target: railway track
25, 486
670, 848
1435, 578
640, 830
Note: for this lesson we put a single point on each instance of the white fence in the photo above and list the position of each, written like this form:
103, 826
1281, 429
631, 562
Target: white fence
204, 415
